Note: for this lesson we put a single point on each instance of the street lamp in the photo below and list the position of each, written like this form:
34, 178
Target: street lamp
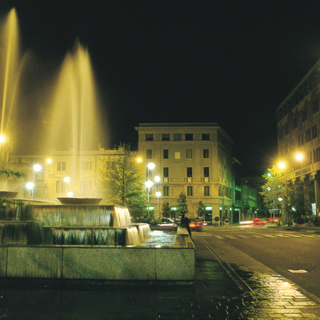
30, 186
149, 184
158, 195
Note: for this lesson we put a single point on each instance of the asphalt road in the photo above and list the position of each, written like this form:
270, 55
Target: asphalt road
279, 249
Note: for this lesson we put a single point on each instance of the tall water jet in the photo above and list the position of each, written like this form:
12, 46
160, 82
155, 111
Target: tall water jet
74, 123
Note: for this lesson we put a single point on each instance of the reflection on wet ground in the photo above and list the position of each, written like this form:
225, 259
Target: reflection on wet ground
216, 294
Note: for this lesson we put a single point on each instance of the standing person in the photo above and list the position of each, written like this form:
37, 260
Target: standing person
185, 223
227, 220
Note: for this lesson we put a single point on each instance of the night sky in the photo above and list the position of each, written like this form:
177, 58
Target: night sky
229, 62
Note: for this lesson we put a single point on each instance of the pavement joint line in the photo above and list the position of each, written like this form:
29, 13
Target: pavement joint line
223, 264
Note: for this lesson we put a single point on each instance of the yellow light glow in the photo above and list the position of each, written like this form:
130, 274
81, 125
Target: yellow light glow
29, 185
151, 165
37, 167
49, 161
139, 160
281, 165
149, 184
2, 139
70, 194
299, 156
158, 194
157, 179
66, 179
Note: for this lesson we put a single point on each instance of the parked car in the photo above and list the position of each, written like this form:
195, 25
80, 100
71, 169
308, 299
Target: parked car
166, 222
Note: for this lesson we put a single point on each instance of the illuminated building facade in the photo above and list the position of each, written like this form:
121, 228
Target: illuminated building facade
190, 158
298, 121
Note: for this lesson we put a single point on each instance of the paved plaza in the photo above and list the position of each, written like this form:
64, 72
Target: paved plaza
229, 285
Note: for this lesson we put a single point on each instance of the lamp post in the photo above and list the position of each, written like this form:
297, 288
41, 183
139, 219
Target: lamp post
2, 141
30, 186
149, 184
158, 195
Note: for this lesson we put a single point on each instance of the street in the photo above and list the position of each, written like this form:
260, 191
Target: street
281, 249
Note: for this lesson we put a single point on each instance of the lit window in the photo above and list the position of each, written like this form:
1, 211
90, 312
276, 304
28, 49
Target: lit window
190, 191
165, 137
165, 154
177, 155
189, 153
206, 153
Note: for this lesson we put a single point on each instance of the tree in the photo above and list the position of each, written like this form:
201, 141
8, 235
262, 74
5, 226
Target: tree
166, 209
123, 182
200, 209
182, 204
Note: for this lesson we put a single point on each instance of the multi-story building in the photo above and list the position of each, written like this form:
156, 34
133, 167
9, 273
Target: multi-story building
298, 120
190, 158
50, 183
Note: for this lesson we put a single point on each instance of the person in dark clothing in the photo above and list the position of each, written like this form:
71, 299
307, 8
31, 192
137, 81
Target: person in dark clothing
185, 223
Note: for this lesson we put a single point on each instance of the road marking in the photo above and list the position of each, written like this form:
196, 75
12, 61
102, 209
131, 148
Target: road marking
269, 235
244, 237
219, 237
201, 234
293, 235
281, 235
231, 237
256, 236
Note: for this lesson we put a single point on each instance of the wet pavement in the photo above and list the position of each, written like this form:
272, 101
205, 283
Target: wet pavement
229, 285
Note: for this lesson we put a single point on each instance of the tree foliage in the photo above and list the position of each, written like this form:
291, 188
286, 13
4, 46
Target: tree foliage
182, 204
200, 209
166, 212
122, 180
279, 193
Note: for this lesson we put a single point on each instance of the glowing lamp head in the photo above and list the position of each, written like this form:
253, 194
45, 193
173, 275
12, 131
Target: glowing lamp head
299, 156
281, 165
29, 185
49, 161
158, 194
149, 184
151, 166
157, 179
37, 167
139, 160
70, 194
2, 139
66, 179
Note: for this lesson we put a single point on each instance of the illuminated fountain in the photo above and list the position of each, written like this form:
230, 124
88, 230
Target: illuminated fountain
77, 240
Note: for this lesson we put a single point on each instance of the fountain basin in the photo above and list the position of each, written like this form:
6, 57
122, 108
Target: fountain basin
79, 201
8, 194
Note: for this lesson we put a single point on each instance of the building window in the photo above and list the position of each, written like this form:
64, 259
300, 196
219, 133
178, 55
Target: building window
314, 131
206, 191
308, 135
177, 136
39, 176
165, 154
61, 166
190, 191
60, 186
86, 165
206, 153
206, 171
304, 115
165, 137
189, 153
189, 136
165, 172
315, 106
205, 136
189, 172
165, 191
294, 123
149, 154
177, 155
149, 137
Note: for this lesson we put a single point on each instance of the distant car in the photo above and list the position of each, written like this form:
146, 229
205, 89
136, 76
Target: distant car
167, 222
196, 224
259, 222
273, 220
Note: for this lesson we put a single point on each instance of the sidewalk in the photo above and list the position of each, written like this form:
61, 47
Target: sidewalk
229, 285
